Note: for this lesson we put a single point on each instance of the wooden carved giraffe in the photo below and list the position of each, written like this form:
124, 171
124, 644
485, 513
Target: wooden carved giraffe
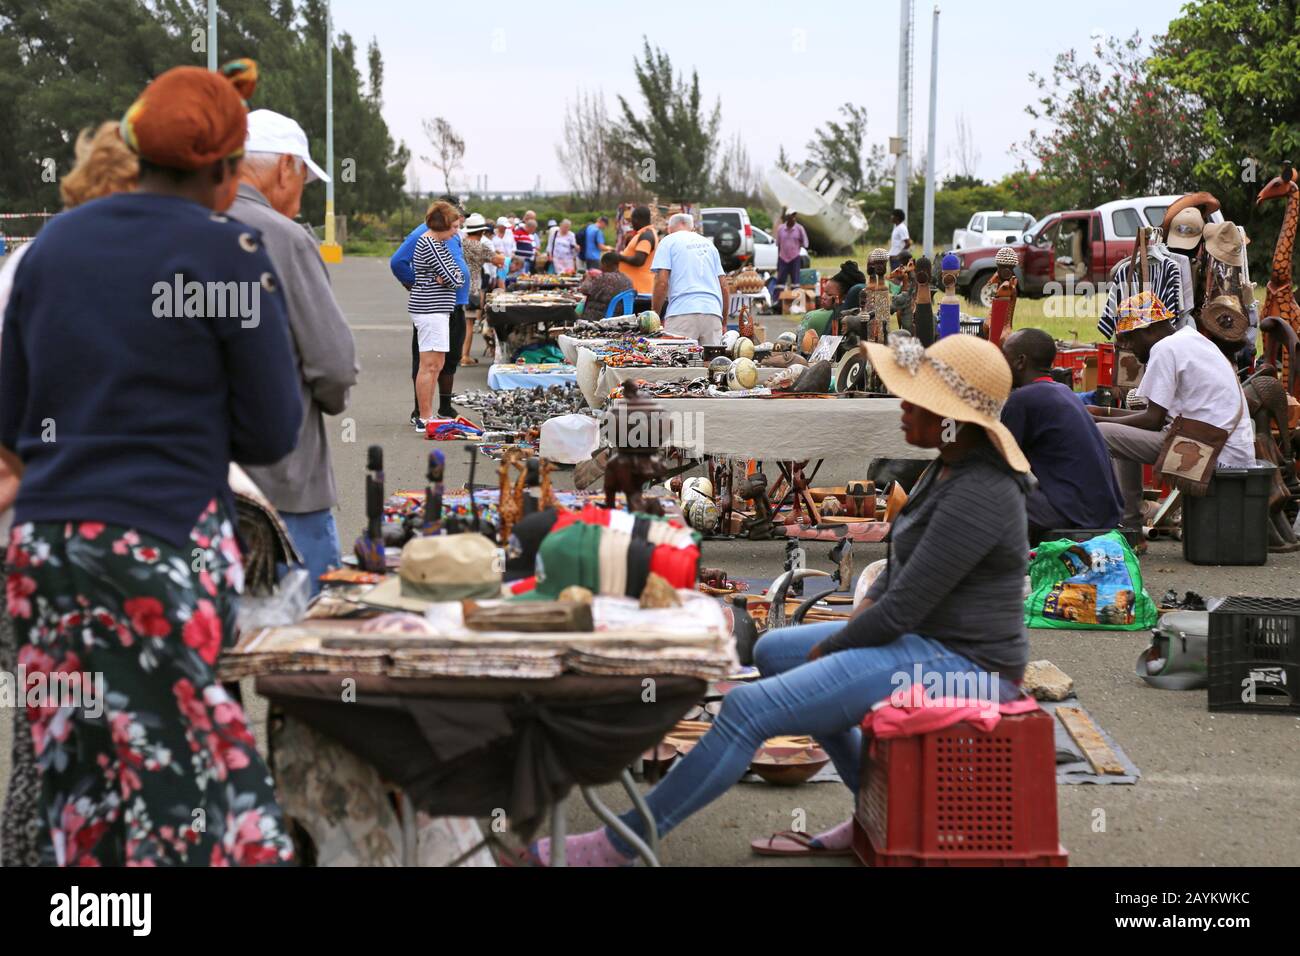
1280, 301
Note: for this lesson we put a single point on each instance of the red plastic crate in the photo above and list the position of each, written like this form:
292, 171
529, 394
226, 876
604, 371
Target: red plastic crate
1105, 363
961, 796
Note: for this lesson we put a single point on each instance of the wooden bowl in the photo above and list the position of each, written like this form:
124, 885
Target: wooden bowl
686, 734
788, 766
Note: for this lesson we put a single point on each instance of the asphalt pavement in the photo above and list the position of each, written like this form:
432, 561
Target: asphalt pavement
1215, 789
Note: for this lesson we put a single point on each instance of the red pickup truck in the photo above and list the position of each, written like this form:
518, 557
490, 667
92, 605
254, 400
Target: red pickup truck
1074, 250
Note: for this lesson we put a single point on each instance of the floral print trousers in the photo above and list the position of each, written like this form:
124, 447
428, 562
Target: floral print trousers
163, 769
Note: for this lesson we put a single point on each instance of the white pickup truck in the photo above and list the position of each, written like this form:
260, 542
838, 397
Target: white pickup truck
992, 227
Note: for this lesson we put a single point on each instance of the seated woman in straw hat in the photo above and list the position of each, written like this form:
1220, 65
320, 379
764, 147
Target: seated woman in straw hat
948, 605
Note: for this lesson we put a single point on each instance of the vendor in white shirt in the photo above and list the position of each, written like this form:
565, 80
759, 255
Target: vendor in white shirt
1185, 375
900, 243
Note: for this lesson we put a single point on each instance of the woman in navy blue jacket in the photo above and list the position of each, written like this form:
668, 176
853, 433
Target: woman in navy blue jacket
145, 347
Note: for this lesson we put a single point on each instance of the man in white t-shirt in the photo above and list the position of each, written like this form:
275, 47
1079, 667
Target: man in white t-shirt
689, 291
900, 243
1185, 375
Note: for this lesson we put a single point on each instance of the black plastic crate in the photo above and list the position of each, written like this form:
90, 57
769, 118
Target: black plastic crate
1229, 524
1254, 651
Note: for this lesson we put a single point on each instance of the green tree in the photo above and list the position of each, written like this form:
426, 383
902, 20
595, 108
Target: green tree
672, 148
1238, 60
839, 147
1112, 128
69, 64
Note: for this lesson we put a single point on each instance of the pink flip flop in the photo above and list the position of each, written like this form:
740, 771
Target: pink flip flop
793, 843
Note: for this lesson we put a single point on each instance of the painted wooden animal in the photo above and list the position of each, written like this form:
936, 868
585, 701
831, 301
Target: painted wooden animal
1280, 300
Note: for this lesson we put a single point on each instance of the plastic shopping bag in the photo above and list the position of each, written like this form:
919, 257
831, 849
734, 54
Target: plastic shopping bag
1093, 584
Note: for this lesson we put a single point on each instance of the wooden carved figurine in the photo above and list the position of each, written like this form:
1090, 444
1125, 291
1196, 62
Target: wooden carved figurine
949, 304
638, 424
904, 303
876, 298
1280, 300
923, 309
1266, 399
1003, 309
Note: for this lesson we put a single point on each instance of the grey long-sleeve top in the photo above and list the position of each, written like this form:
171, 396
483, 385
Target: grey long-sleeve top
956, 574
327, 358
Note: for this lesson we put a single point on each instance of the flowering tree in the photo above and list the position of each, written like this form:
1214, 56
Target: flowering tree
1112, 130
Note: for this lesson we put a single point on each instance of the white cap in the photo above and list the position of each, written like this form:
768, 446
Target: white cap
272, 132
503, 221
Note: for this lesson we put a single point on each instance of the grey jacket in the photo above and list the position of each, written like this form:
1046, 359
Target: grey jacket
327, 357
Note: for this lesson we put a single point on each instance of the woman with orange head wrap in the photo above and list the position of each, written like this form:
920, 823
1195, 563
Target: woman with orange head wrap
146, 348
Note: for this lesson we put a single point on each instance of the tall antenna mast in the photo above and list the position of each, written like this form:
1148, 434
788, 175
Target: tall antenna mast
902, 169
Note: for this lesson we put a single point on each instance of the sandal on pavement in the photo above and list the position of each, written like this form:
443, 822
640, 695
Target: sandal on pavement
793, 843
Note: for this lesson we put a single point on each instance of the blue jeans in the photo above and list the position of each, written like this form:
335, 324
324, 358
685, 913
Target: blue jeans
826, 698
317, 540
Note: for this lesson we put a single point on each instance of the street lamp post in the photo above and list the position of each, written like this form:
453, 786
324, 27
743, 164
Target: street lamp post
212, 34
330, 250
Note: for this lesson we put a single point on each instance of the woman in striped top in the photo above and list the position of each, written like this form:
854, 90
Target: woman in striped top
432, 300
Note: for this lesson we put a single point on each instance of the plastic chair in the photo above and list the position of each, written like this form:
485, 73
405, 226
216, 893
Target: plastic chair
621, 304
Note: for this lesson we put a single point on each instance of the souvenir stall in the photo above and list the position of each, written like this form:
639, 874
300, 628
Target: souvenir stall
474, 687
522, 324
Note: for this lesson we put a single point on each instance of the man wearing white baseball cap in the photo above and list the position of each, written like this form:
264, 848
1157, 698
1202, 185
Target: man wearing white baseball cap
276, 167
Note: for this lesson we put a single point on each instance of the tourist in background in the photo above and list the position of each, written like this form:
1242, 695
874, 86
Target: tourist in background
479, 257
900, 243
432, 301
591, 242
564, 249
791, 240
638, 255
503, 243
690, 290
276, 167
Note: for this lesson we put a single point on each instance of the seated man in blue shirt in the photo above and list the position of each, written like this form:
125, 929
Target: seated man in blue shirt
1077, 487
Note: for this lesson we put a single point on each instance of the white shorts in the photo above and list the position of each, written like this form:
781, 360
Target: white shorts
433, 330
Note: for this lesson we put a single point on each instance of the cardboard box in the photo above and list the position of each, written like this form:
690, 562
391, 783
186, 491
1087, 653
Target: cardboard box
1087, 376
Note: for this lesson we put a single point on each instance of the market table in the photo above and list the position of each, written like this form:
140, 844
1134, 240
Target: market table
794, 432
510, 322
469, 722
794, 427
607, 379
503, 375
474, 746
569, 344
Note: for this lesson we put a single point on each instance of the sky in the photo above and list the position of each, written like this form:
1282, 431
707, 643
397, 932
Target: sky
502, 72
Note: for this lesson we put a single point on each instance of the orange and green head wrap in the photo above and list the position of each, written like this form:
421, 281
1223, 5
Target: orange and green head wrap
190, 117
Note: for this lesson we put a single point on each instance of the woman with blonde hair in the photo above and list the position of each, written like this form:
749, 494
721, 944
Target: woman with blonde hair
103, 166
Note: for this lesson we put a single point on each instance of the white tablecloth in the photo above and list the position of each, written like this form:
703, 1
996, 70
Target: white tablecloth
502, 377
791, 429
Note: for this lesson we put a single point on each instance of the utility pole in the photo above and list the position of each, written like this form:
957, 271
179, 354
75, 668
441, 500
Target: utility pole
212, 34
929, 143
330, 250
902, 169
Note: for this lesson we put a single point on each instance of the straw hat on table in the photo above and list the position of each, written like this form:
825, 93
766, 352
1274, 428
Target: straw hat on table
961, 377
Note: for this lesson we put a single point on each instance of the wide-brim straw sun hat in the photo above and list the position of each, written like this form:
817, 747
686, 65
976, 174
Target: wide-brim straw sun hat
961, 377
